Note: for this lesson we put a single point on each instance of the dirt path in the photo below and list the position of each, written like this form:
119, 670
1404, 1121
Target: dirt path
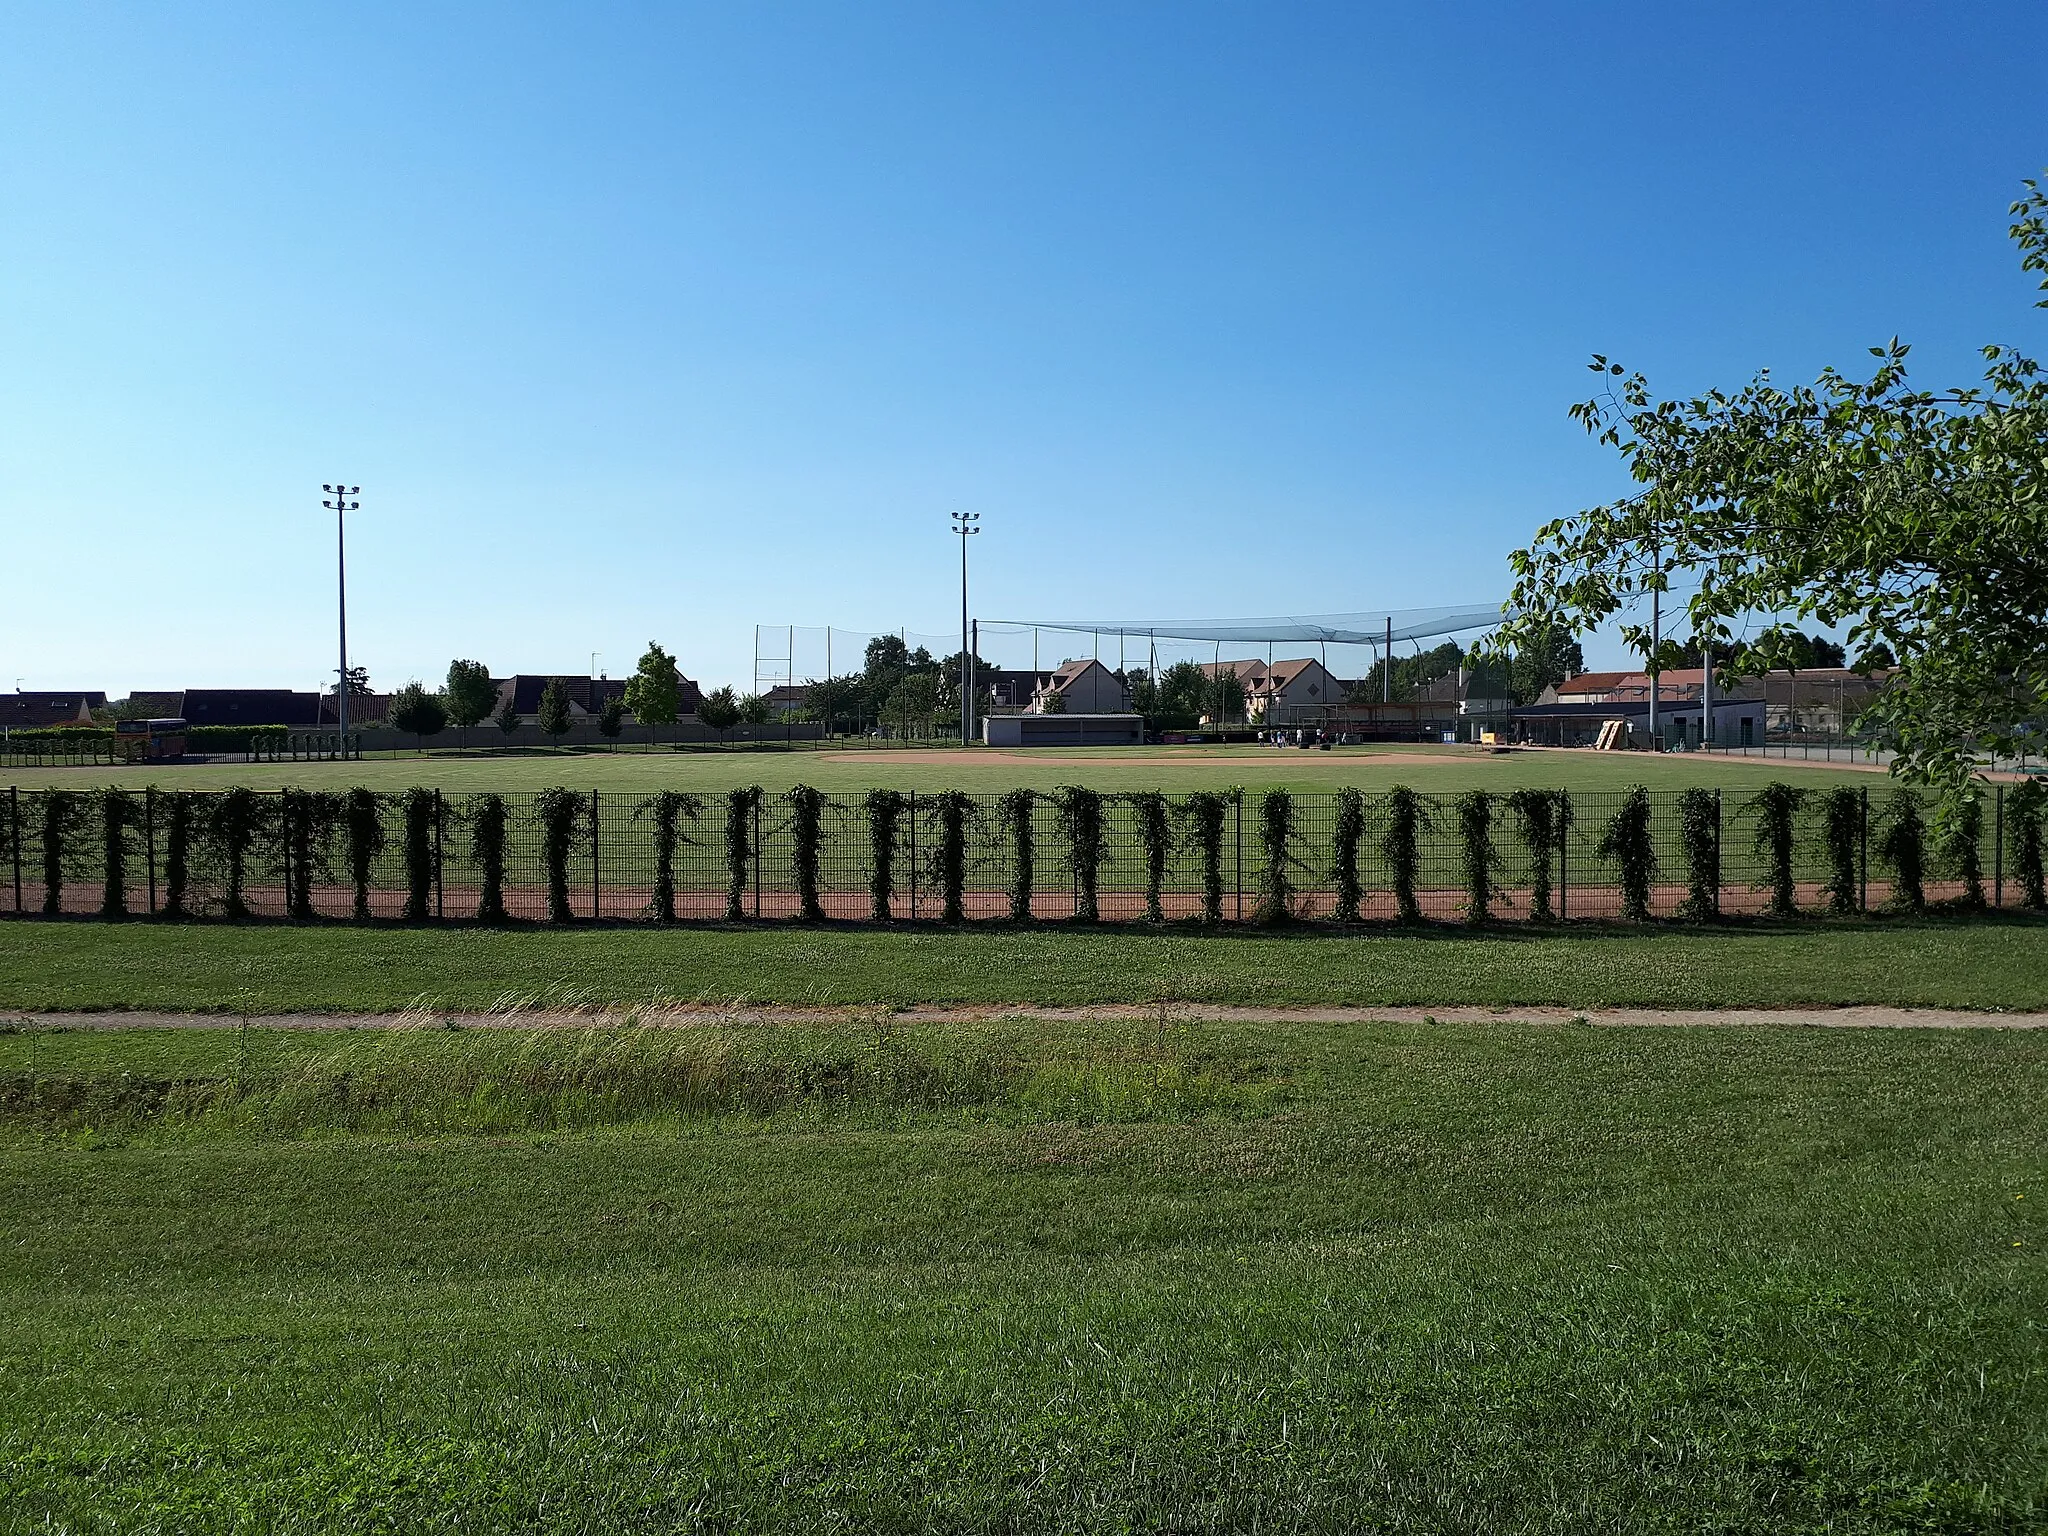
683, 1016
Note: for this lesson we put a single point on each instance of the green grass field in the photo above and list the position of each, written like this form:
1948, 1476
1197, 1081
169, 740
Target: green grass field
1990, 962
1153, 1276
1174, 769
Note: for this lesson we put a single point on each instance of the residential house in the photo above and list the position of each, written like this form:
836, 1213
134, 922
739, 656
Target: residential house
246, 706
1084, 687
29, 711
1282, 692
587, 695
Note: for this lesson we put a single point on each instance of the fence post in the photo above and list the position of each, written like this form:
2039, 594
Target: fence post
284, 821
596, 908
1237, 860
1564, 865
437, 855
913, 853
757, 856
1863, 850
1998, 845
14, 815
149, 840
1719, 874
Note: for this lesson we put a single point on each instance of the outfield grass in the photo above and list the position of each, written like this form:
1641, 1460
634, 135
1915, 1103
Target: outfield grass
1158, 1276
1987, 962
1174, 769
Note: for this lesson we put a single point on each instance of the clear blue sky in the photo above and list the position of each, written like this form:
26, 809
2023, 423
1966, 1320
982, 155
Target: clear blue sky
661, 321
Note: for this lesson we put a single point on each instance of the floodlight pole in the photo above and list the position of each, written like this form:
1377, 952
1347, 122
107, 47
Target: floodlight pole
964, 525
1387, 672
339, 505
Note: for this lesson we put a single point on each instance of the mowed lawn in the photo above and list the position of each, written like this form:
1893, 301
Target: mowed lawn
1174, 769
1004, 1277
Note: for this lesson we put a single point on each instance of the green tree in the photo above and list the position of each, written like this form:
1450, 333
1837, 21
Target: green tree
1054, 703
415, 709
836, 699
1915, 519
754, 709
1544, 660
655, 690
553, 714
1225, 696
612, 719
507, 717
1182, 689
470, 693
720, 710
913, 701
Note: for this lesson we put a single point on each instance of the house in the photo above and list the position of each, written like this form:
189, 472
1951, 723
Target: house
28, 711
1282, 692
245, 706
587, 695
1084, 687
785, 699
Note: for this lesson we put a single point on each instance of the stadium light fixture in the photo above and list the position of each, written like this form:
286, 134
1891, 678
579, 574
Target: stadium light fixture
339, 505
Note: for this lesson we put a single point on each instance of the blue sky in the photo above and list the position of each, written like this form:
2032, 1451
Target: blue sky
665, 321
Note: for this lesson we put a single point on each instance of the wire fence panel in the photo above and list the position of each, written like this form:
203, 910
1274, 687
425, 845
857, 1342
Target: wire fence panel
558, 855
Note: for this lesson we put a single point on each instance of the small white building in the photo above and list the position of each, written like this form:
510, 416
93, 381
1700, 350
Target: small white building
1029, 730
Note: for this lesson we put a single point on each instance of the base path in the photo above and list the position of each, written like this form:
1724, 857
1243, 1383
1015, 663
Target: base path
683, 1016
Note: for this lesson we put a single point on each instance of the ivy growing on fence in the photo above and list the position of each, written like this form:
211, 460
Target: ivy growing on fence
1545, 817
563, 818
667, 808
1350, 829
1276, 861
1841, 835
1080, 820
1401, 847
236, 817
1776, 838
177, 852
951, 813
417, 808
1155, 837
1958, 843
741, 807
488, 821
116, 813
1699, 836
1626, 843
885, 810
807, 835
1903, 848
1014, 811
363, 815
1203, 815
2024, 814
61, 815
1477, 859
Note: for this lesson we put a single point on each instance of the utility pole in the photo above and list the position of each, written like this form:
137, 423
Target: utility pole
1387, 674
338, 506
964, 525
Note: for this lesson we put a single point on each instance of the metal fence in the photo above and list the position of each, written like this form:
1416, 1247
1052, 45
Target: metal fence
293, 852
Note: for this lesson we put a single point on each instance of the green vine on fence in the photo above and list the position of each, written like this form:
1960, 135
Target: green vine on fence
1478, 860
1155, 838
1344, 876
308, 820
1958, 843
177, 852
235, 818
667, 809
741, 808
1081, 829
1776, 838
563, 816
885, 809
1014, 810
1545, 818
1277, 860
363, 817
62, 813
1903, 849
488, 822
1202, 816
416, 808
1407, 819
807, 832
1841, 837
1699, 839
952, 812
117, 816
1625, 842
2024, 815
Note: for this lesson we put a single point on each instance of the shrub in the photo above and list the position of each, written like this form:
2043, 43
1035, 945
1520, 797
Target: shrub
667, 808
417, 810
2023, 818
951, 813
1080, 819
1202, 816
1699, 834
1276, 883
1155, 836
1903, 848
1014, 810
117, 815
1841, 839
1401, 846
562, 816
1344, 860
1625, 842
363, 816
741, 807
487, 818
1775, 837
1545, 817
807, 825
885, 809
1477, 859
1958, 842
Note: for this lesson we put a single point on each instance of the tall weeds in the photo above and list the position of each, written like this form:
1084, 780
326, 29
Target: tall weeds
177, 853
117, 816
1959, 842
234, 818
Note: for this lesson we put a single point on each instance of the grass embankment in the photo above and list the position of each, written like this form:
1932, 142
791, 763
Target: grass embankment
1986, 962
1175, 770
1161, 1275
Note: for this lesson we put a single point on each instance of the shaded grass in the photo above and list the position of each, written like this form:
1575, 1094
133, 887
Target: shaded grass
1988, 962
1507, 1278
